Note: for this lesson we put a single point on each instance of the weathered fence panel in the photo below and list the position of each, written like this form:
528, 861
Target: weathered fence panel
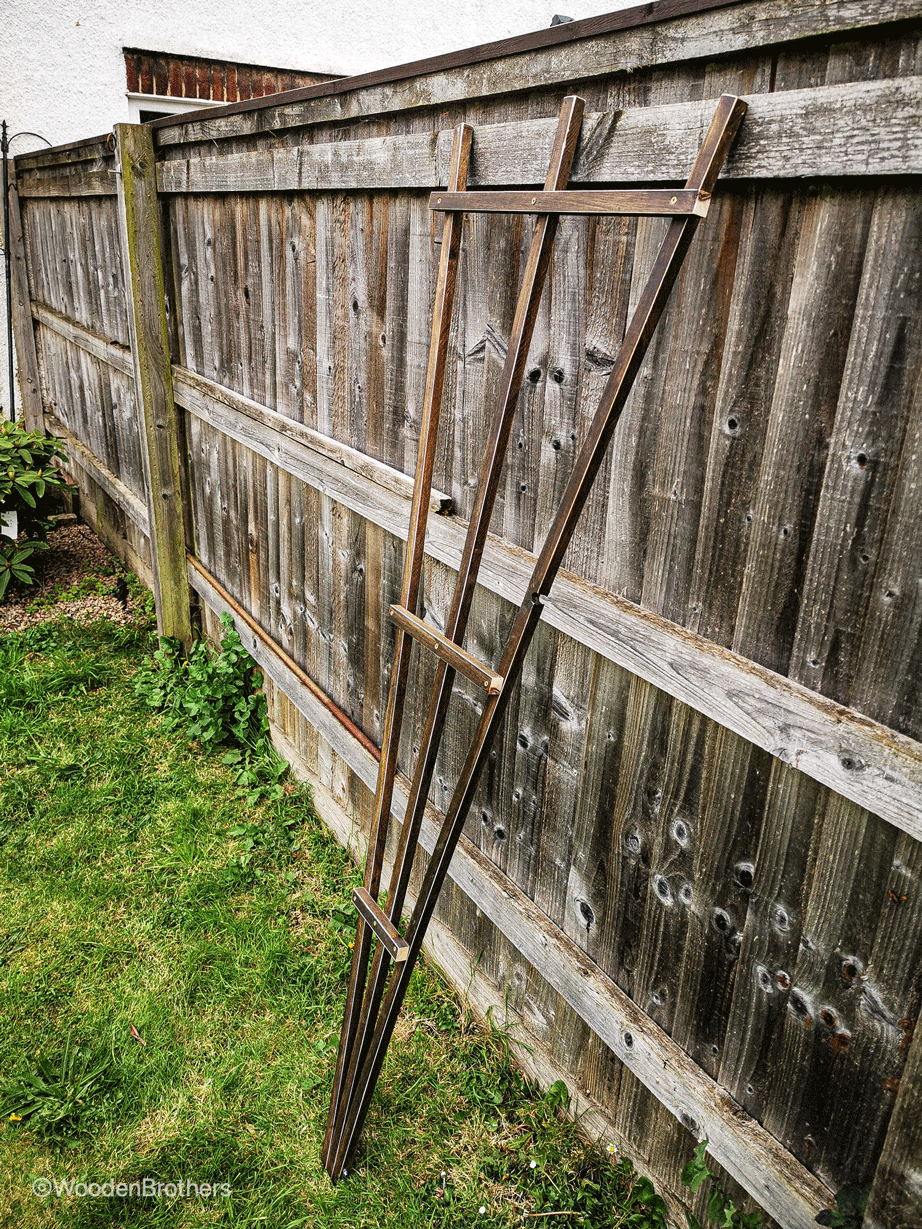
691, 879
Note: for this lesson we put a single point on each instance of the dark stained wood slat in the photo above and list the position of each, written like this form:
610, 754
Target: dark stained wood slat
652, 203
450, 653
347, 1060
342, 1133
384, 930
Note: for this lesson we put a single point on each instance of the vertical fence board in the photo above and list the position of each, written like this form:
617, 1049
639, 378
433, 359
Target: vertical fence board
23, 329
882, 369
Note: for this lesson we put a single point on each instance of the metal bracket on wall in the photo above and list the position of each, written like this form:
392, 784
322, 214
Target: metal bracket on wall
376, 990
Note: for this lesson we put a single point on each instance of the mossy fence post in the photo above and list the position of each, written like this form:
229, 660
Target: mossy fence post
139, 224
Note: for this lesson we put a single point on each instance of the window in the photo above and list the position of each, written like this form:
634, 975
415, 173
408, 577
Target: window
142, 108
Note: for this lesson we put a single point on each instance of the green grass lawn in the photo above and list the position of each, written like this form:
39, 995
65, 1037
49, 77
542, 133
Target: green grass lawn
173, 963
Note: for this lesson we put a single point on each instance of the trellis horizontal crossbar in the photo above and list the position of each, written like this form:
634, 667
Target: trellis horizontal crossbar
449, 652
376, 993
645, 203
385, 931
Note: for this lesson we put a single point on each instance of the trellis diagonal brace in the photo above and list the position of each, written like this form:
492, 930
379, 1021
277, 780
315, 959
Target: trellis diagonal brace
372, 1008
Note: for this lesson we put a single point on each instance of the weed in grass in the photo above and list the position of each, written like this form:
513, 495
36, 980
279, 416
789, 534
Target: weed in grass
721, 1209
59, 1099
215, 698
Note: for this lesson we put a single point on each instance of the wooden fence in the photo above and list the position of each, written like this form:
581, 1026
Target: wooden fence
692, 881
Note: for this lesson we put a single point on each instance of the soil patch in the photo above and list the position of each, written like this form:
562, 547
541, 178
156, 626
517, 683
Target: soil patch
76, 576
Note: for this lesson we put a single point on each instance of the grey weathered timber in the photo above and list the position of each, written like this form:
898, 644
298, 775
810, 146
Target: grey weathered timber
110, 352
896, 1194
769, 710
788, 1192
126, 499
798, 133
30, 392
140, 229
882, 772
80, 183
724, 31
883, 769
331, 467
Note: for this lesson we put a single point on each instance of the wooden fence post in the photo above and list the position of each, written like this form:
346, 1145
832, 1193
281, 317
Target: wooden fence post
139, 223
30, 391
896, 1195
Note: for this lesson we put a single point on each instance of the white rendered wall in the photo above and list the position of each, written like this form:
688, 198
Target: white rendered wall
62, 72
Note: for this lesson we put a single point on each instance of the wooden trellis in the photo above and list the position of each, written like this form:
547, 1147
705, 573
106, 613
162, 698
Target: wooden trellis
376, 993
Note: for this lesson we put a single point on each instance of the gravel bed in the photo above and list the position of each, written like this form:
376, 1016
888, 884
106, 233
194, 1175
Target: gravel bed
74, 555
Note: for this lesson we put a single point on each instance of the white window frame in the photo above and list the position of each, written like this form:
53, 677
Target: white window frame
172, 106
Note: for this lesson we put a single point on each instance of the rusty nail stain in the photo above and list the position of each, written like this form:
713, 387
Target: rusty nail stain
908, 1027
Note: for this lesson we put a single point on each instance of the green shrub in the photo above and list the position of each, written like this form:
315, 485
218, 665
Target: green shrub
29, 483
216, 699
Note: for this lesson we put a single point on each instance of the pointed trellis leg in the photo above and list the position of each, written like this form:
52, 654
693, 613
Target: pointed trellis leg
646, 316
432, 401
562, 154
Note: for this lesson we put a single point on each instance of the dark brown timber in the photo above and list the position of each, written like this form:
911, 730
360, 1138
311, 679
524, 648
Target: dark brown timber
416, 537
450, 653
379, 1017
640, 202
385, 930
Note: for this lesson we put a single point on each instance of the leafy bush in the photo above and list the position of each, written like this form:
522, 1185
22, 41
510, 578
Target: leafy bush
851, 1205
29, 483
215, 698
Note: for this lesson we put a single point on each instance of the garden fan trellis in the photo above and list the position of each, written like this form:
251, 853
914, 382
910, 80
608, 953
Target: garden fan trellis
376, 990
